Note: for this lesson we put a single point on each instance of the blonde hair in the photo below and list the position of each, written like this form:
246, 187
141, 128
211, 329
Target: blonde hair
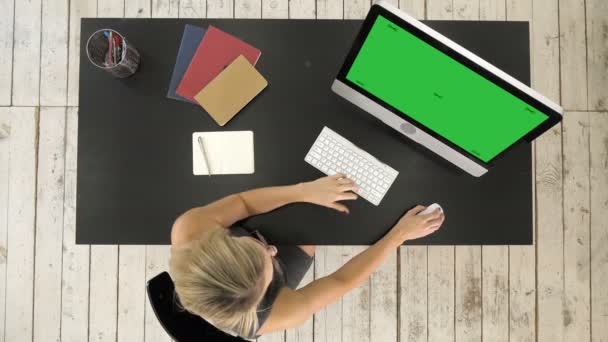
220, 278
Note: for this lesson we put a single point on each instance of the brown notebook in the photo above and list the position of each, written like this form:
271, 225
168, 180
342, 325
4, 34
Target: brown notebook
231, 90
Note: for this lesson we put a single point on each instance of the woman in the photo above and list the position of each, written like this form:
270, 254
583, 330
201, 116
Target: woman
241, 284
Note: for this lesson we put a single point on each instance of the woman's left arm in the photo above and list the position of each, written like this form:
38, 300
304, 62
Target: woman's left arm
225, 212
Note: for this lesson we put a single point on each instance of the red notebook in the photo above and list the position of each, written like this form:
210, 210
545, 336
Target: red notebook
216, 51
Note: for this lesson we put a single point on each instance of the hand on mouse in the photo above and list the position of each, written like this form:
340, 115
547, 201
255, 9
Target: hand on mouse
412, 227
326, 191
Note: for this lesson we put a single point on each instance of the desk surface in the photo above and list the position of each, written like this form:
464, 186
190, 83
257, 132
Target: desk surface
135, 158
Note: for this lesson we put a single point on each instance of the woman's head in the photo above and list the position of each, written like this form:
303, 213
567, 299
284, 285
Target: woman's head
222, 278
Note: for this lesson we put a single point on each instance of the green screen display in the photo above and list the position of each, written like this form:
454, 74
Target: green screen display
439, 92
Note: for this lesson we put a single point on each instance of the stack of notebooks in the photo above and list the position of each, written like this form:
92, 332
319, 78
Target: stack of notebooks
215, 70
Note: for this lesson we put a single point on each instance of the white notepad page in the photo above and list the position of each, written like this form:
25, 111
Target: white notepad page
228, 153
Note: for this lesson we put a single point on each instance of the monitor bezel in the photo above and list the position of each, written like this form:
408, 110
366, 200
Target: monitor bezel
553, 116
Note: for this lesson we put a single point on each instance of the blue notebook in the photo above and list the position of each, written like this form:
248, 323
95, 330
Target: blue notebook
190, 41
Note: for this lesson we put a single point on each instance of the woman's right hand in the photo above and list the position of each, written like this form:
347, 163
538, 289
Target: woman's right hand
327, 191
411, 226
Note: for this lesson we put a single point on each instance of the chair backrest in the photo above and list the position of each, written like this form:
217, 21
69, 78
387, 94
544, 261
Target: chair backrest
181, 325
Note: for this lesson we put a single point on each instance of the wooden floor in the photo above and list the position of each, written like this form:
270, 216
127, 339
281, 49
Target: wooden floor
556, 290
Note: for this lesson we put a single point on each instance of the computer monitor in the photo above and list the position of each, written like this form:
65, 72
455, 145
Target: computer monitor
438, 93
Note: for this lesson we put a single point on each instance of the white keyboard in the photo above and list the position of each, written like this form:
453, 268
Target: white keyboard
331, 153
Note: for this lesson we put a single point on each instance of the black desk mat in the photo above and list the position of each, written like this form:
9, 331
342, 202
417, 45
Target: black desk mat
135, 154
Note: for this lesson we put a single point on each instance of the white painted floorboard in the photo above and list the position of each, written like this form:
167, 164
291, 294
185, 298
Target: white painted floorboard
21, 219
49, 224
4, 178
76, 258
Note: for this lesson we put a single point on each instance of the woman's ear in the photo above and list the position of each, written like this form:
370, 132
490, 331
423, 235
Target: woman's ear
273, 250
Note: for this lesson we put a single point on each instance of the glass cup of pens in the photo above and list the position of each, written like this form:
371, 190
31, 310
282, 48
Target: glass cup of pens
110, 51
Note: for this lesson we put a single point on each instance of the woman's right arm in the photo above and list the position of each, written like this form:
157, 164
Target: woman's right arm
294, 307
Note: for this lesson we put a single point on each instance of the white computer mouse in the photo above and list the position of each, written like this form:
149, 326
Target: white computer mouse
430, 209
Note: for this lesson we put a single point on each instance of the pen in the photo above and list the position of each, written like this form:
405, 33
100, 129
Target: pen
114, 50
110, 52
118, 48
204, 152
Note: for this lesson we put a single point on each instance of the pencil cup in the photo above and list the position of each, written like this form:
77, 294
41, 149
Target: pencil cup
112, 52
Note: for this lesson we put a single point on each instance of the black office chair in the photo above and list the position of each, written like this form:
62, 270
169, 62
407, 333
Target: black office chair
181, 325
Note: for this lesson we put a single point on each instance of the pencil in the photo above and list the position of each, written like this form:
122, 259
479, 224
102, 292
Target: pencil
201, 145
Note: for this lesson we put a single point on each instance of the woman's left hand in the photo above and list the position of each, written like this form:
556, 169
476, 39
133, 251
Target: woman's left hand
326, 191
